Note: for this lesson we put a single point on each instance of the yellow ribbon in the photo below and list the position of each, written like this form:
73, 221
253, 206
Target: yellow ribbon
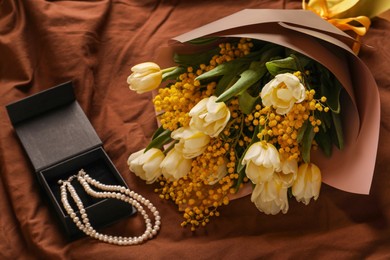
330, 9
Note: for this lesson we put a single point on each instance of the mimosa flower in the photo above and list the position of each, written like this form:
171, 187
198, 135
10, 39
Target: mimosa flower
217, 175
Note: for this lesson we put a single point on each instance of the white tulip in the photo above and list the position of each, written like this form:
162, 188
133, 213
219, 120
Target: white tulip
175, 166
289, 170
308, 183
270, 197
209, 117
193, 141
283, 92
146, 165
261, 160
145, 77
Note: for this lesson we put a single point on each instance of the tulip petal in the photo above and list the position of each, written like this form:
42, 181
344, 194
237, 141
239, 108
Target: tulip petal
145, 66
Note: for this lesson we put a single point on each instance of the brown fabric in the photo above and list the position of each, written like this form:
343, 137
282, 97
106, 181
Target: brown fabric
94, 43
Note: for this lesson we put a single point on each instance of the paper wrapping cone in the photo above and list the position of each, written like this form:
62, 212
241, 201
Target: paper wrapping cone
352, 168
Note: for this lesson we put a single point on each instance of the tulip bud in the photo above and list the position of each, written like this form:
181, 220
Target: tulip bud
145, 77
271, 197
289, 171
175, 166
308, 183
146, 165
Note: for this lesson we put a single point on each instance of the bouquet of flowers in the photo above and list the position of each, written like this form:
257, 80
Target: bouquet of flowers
242, 112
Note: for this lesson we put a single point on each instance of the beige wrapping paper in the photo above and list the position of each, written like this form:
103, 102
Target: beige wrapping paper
352, 168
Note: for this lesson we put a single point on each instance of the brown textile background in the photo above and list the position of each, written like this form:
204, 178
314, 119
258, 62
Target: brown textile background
94, 43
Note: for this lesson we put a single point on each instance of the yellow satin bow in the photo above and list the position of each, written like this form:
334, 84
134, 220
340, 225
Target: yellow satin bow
331, 9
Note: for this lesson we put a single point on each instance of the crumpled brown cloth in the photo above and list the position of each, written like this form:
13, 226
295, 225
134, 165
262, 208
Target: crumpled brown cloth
94, 43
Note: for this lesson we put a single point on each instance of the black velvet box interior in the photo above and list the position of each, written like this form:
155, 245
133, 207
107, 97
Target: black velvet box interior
60, 141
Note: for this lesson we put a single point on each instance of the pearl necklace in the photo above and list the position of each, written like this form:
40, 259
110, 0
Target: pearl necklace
108, 191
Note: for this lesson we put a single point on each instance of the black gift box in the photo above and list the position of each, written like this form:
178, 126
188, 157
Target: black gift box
60, 141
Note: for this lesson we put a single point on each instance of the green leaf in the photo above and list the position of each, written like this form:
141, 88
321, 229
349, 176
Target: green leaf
337, 131
289, 193
230, 71
330, 87
267, 52
230, 78
326, 119
276, 67
247, 102
160, 140
187, 60
225, 82
301, 60
301, 131
333, 101
241, 176
220, 70
203, 40
307, 142
246, 80
324, 141
255, 139
173, 74
158, 132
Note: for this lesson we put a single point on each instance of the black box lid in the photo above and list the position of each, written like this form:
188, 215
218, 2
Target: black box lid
52, 126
